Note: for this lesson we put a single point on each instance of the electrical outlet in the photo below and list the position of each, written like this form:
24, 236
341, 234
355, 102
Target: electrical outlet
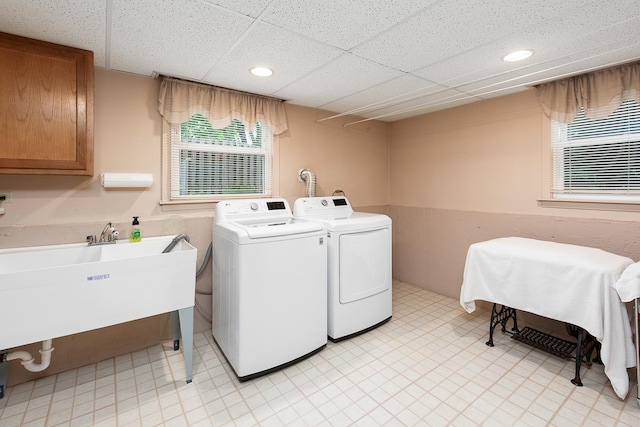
7, 196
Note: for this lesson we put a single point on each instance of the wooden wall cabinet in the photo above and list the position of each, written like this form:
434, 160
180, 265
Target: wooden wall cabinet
46, 108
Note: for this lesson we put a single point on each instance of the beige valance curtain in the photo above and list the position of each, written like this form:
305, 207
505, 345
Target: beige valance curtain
178, 100
600, 93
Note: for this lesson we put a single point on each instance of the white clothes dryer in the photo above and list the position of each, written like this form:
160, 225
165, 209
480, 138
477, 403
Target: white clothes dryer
269, 286
359, 278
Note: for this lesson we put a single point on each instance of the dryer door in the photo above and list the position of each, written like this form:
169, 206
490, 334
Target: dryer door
365, 264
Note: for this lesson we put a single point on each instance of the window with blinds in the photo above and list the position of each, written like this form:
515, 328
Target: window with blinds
597, 159
213, 164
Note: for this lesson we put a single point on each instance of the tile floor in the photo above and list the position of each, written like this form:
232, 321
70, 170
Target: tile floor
427, 366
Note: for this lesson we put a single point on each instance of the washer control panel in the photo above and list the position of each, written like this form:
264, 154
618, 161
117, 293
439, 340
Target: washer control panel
252, 208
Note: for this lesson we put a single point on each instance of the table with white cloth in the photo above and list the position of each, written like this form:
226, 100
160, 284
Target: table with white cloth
568, 283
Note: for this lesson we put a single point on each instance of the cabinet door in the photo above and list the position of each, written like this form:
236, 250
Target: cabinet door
46, 108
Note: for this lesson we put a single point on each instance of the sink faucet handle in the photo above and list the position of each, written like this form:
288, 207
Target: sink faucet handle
91, 239
113, 235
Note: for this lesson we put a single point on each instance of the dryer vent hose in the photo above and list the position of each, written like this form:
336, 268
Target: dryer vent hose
305, 175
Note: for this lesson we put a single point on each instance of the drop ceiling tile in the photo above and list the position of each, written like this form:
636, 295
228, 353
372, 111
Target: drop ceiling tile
290, 57
437, 100
566, 41
571, 67
340, 23
75, 23
562, 67
452, 28
341, 77
455, 72
252, 8
429, 108
589, 53
384, 95
183, 39
440, 32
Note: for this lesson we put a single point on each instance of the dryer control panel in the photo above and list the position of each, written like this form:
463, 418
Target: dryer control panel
329, 206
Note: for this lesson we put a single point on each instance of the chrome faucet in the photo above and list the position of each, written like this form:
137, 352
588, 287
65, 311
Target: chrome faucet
108, 236
107, 231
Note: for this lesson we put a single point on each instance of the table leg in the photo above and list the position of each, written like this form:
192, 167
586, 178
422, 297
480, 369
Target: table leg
186, 327
4, 373
576, 380
586, 345
175, 329
501, 318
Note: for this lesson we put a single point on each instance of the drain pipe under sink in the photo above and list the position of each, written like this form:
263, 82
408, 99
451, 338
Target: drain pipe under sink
28, 361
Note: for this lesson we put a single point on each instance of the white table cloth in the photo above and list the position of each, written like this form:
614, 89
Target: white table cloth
569, 283
628, 288
628, 285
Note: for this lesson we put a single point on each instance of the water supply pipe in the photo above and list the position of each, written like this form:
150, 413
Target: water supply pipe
207, 256
28, 361
305, 175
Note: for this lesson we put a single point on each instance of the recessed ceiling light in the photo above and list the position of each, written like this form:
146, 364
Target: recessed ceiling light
518, 55
261, 71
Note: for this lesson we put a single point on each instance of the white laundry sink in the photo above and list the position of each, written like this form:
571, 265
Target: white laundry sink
53, 291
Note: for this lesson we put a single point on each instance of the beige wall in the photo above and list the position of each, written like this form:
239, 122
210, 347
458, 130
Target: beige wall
474, 173
60, 209
352, 159
479, 157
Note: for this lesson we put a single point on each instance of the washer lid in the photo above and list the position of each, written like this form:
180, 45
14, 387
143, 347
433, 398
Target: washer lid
337, 214
277, 227
357, 221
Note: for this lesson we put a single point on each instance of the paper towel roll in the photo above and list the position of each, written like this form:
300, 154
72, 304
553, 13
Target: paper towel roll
126, 180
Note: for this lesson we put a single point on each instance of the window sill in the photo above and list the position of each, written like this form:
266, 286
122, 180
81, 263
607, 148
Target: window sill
597, 205
174, 205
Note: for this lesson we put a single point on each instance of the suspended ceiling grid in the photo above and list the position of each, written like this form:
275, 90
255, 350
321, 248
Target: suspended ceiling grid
388, 60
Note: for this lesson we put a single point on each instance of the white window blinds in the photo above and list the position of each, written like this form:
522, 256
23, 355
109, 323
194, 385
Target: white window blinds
597, 159
213, 164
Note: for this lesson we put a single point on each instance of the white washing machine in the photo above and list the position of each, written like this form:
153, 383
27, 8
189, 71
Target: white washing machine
359, 264
269, 286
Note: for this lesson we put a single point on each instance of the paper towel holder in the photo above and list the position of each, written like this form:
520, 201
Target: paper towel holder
126, 180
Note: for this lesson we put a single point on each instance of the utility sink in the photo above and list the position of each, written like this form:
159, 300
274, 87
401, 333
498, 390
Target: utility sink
58, 290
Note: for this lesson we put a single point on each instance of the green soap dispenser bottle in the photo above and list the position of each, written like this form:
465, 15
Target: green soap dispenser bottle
135, 235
